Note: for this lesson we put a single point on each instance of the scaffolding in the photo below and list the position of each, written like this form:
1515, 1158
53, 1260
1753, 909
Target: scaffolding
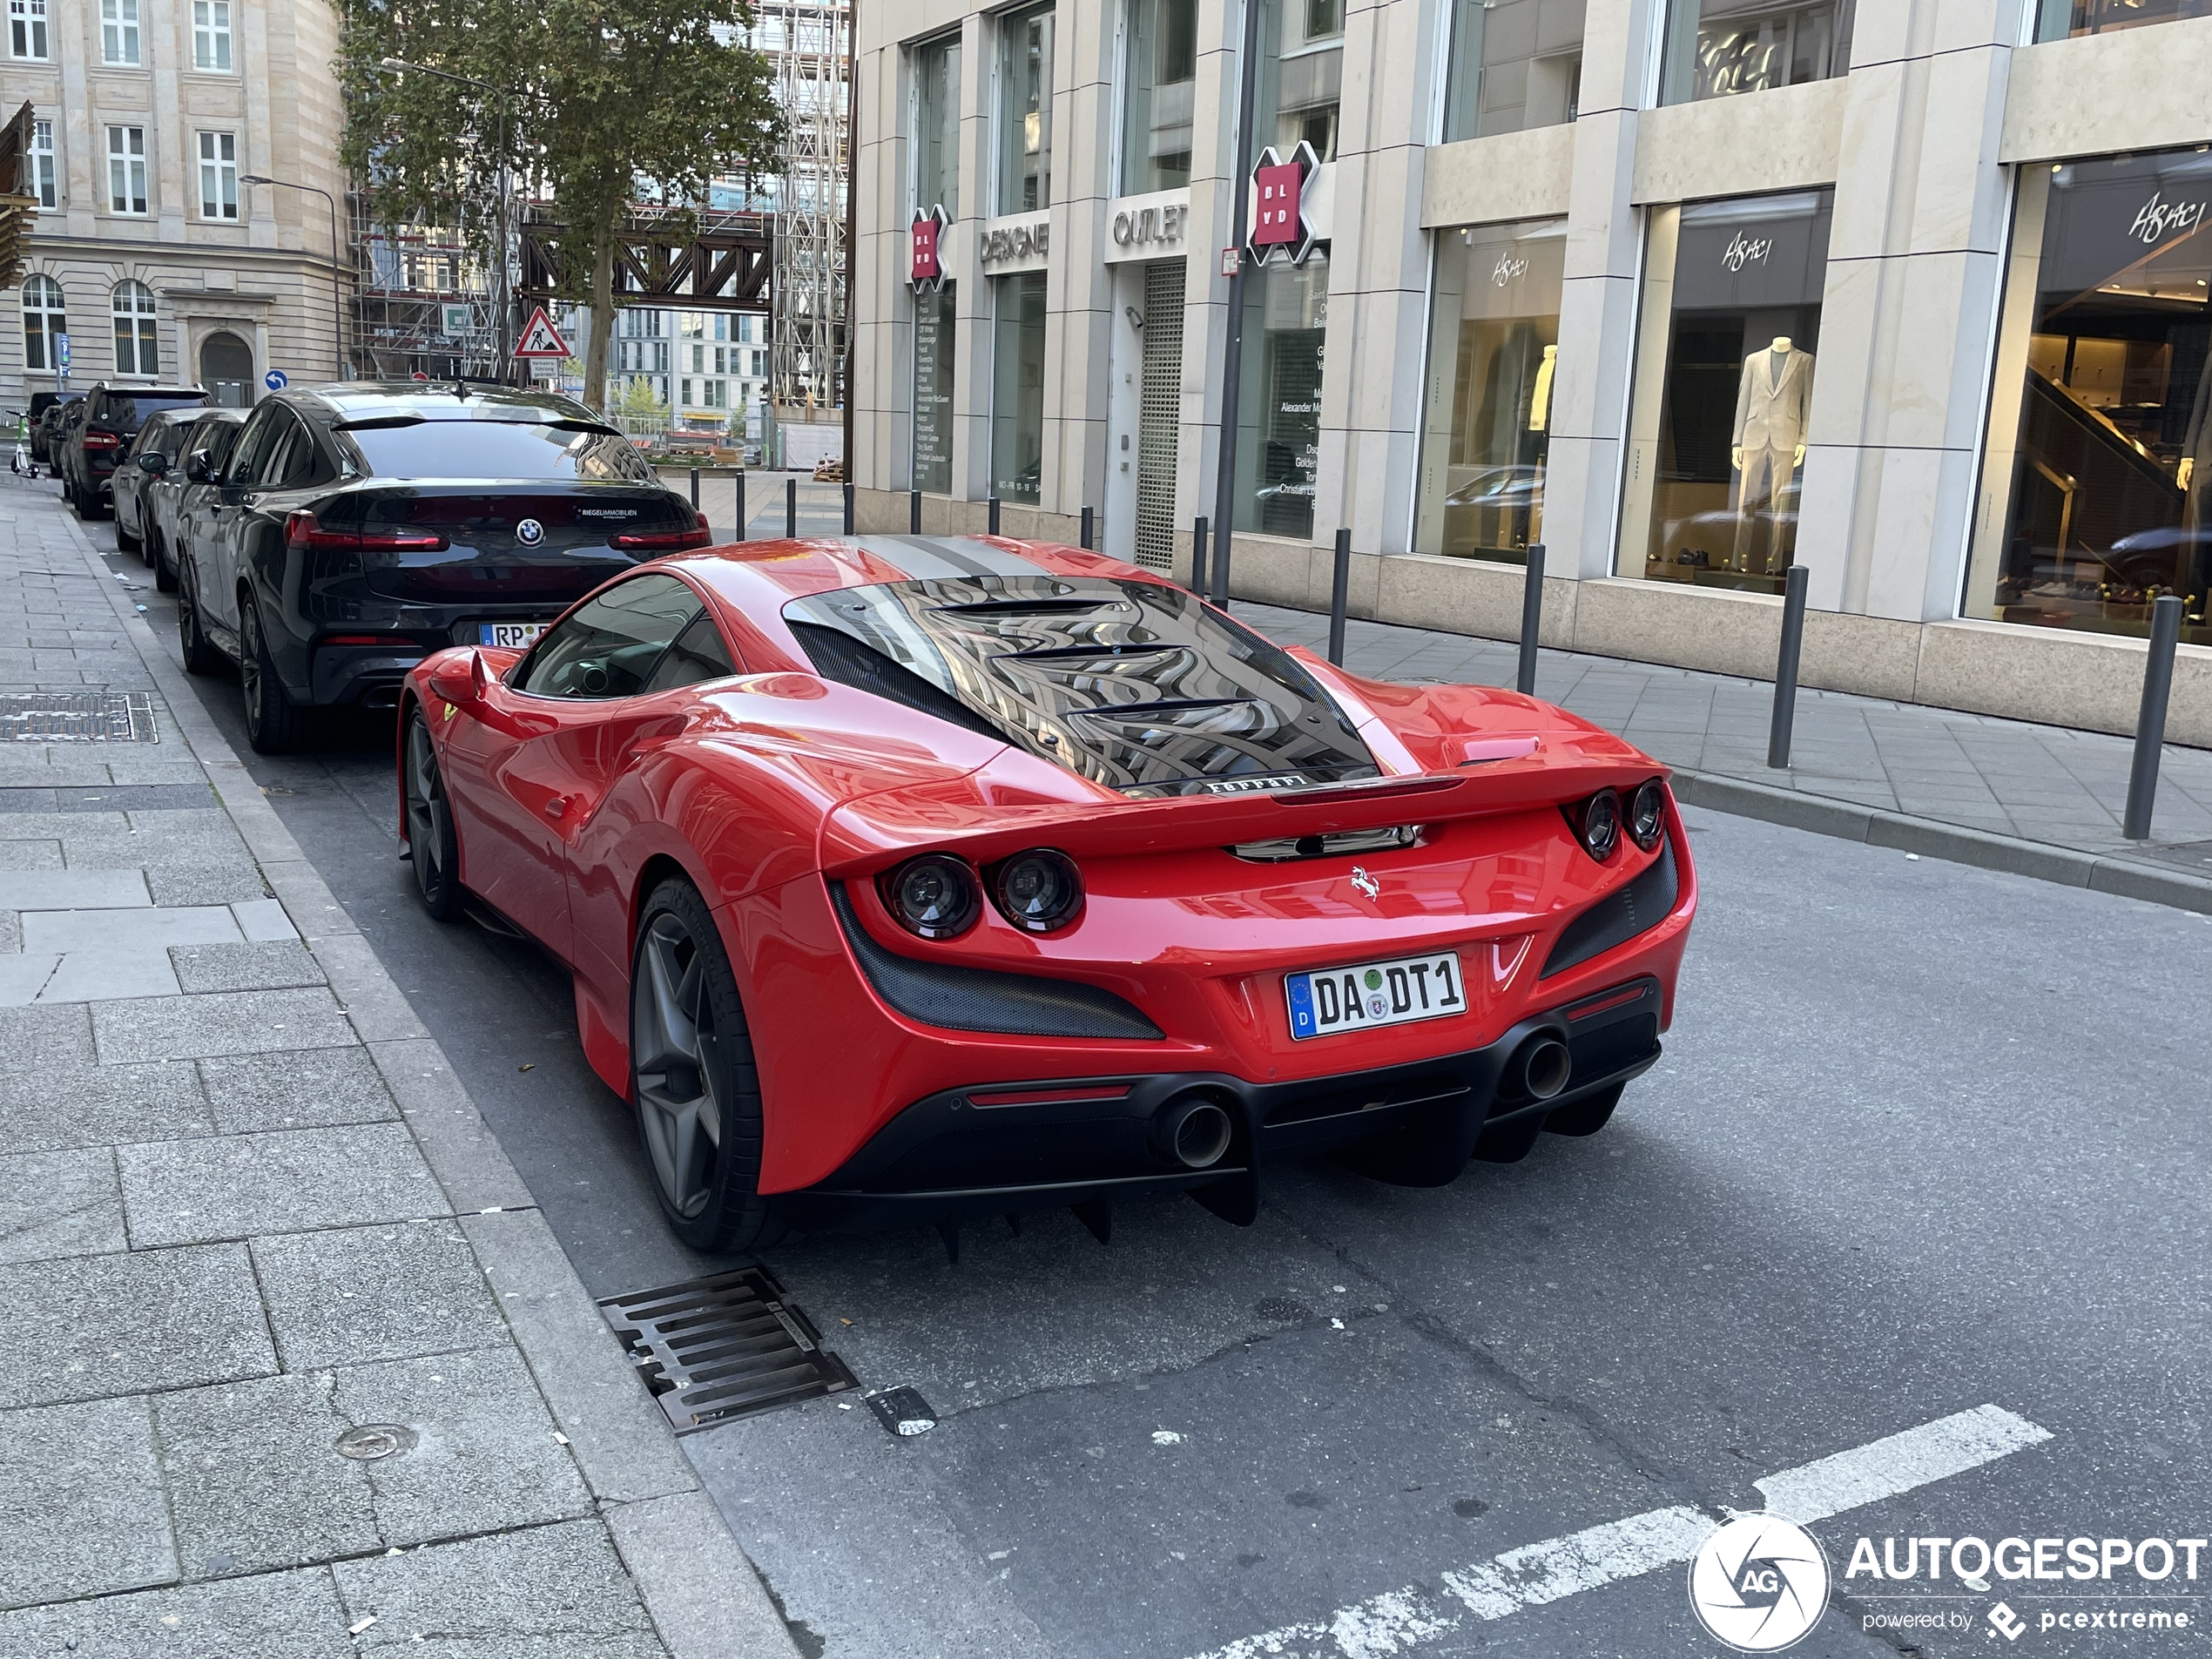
423, 302
809, 43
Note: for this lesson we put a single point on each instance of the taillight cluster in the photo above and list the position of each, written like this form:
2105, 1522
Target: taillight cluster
96, 439
938, 896
1599, 821
303, 534
662, 541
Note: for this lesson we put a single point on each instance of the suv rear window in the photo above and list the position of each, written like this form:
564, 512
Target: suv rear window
408, 446
128, 410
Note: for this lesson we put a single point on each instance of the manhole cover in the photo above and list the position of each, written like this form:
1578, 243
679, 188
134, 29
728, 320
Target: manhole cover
724, 1347
77, 717
374, 1441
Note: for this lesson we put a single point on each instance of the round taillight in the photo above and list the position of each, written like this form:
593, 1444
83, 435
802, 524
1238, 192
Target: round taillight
1600, 825
1039, 892
934, 896
1647, 813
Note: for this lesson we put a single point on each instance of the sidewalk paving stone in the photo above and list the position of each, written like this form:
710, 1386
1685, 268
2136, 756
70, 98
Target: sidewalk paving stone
278, 1181
307, 1089
81, 1508
73, 889
65, 930
271, 965
66, 1105
192, 1028
60, 1204
98, 975
275, 1615
384, 1293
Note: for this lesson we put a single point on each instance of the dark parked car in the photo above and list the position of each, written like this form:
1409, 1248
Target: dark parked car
149, 457
52, 431
171, 500
94, 440
41, 402
355, 528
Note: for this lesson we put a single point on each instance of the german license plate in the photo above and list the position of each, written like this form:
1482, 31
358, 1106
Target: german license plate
514, 635
1329, 1000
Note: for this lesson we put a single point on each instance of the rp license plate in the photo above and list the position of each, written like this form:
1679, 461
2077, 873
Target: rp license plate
1398, 991
514, 635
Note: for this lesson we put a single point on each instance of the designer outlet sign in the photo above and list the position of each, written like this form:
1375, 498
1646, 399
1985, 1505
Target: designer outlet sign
1006, 246
1152, 227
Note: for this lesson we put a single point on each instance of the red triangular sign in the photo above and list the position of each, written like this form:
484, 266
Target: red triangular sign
540, 338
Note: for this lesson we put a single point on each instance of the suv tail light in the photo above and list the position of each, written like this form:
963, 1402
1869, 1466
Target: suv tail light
302, 534
662, 541
96, 439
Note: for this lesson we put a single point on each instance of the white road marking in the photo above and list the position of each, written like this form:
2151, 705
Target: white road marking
1398, 1621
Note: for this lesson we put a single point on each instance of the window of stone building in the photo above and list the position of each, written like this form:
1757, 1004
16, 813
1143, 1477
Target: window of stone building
119, 32
138, 348
218, 177
1725, 357
1017, 388
932, 403
1025, 110
1493, 363
126, 170
44, 181
1286, 316
44, 318
210, 35
2096, 493
27, 29
2062, 19
1514, 64
1717, 48
1160, 83
1301, 74
937, 125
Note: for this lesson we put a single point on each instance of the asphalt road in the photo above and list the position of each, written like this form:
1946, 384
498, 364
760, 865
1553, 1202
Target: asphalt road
1925, 1138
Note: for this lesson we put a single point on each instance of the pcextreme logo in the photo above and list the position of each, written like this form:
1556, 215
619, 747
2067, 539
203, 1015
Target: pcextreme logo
1759, 1583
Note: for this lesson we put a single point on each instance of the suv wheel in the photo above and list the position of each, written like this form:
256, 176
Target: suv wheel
200, 656
127, 543
274, 723
165, 572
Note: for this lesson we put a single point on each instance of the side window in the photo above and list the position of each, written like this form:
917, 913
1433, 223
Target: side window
252, 445
280, 458
150, 437
697, 655
610, 647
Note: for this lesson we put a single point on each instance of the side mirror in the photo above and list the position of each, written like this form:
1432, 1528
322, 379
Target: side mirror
153, 461
199, 469
461, 680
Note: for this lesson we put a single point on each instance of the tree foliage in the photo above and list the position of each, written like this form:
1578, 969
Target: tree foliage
597, 104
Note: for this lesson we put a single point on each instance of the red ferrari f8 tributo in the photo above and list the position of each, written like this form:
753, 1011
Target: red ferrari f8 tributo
910, 879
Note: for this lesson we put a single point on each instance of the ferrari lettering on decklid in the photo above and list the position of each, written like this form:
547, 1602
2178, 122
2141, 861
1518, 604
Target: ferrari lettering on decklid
1134, 684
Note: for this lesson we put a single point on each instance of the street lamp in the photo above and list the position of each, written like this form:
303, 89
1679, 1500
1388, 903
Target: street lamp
337, 298
401, 67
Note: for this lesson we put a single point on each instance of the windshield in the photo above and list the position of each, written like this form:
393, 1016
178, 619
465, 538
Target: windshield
409, 446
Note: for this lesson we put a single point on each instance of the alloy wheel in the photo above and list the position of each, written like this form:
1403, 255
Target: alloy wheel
249, 664
676, 1061
426, 810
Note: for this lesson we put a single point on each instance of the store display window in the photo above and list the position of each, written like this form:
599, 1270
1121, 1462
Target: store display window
937, 125
1493, 359
933, 458
1286, 314
1725, 359
1017, 388
1301, 74
1718, 48
1025, 111
1159, 89
2097, 482
1514, 64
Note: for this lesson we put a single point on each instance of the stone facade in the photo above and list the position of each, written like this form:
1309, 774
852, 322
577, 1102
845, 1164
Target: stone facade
1915, 144
208, 90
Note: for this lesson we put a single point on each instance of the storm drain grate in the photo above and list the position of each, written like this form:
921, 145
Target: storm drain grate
77, 717
724, 1346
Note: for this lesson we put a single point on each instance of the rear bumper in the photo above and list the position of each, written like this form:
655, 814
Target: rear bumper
997, 1148
372, 675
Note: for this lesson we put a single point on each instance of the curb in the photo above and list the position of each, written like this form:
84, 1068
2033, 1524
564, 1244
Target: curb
705, 1597
2061, 865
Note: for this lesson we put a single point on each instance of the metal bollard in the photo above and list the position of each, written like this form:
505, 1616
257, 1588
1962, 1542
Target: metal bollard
1785, 666
914, 513
1085, 533
1532, 619
790, 508
1339, 596
695, 488
1221, 569
739, 482
993, 510
2150, 724
848, 510
1198, 556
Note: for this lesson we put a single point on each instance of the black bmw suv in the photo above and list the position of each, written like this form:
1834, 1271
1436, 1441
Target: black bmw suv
354, 528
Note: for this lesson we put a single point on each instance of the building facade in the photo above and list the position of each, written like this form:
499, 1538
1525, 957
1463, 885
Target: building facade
149, 253
1910, 293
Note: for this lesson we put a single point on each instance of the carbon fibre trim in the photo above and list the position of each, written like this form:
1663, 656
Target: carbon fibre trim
1618, 917
976, 999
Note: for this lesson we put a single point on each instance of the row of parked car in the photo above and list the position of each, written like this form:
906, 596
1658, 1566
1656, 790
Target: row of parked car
328, 539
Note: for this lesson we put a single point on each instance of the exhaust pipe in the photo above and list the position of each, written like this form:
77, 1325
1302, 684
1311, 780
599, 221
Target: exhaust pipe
1191, 1131
1538, 1067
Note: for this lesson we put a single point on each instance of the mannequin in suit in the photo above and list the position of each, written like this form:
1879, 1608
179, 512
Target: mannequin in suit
1772, 405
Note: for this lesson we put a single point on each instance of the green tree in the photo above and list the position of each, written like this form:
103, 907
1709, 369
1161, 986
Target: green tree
599, 104
640, 401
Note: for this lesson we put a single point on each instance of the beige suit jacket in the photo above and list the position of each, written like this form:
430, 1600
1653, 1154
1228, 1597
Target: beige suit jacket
1772, 407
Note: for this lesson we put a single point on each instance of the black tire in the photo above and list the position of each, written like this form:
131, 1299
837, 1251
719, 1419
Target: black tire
165, 572
693, 1078
127, 543
432, 844
274, 723
76, 501
201, 655
1586, 1116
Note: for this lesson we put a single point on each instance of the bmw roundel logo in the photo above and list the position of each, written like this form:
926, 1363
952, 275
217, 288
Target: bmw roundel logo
529, 532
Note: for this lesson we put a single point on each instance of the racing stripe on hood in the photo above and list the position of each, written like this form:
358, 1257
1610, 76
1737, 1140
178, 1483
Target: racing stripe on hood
936, 559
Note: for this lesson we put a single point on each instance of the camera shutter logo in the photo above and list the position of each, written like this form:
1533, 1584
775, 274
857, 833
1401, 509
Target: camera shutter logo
1759, 1584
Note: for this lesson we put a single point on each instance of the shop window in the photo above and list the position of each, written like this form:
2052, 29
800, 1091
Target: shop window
1301, 74
45, 319
937, 125
2097, 485
1017, 389
1723, 387
1514, 64
2062, 19
932, 403
1718, 48
1493, 359
1025, 111
1286, 314
1160, 82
